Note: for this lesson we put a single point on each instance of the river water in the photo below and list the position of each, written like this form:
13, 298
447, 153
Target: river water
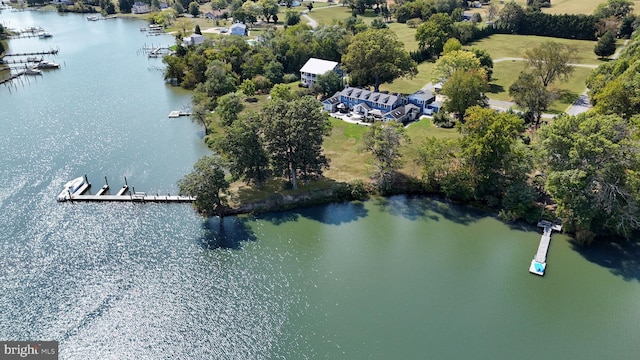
400, 278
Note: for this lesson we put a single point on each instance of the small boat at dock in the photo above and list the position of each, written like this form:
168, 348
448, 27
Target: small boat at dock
47, 65
70, 188
44, 35
92, 18
32, 71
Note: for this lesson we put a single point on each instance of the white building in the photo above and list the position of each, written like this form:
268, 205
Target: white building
315, 67
193, 39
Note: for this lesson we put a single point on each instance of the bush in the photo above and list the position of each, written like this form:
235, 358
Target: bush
443, 119
289, 78
358, 190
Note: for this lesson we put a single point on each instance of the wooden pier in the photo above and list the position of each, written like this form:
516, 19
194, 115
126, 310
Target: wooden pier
123, 195
48, 52
539, 262
12, 77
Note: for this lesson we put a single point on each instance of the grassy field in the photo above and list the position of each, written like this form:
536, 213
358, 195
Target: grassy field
506, 73
502, 45
568, 6
408, 86
348, 160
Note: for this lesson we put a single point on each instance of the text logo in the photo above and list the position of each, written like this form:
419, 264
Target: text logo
30, 350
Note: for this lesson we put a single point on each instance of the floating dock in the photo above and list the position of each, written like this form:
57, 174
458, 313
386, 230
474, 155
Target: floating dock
539, 262
177, 113
123, 195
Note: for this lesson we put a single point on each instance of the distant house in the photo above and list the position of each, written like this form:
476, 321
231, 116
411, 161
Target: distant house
140, 8
215, 14
377, 105
193, 39
315, 67
238, 29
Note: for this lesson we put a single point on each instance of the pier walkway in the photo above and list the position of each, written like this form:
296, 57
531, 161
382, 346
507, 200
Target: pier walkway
539, 262
123, 195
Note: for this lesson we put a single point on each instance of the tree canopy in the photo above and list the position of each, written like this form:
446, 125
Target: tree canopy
592, 168
552, 61
384, 140
376, 56
465, 89
207, 183
294, 131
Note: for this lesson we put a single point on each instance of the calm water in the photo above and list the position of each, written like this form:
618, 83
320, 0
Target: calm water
387, 279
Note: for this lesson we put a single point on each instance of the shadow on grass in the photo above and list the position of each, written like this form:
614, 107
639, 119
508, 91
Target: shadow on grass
496, 89
225, 233
621, 258
566, 96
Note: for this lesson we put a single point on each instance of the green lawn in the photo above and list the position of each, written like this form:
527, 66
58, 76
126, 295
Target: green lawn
505, 73
501, 45
349, 162
328, 15
408, 86
405, 34
567, 6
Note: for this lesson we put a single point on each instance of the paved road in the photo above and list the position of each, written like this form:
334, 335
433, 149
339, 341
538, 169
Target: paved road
311, 21
582, 104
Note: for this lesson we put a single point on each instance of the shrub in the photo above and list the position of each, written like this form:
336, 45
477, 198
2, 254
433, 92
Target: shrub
289, 78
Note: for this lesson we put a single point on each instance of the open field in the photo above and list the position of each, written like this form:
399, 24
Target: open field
505, 73
408, 86
348, 161
502, 45
406, 35
568, 6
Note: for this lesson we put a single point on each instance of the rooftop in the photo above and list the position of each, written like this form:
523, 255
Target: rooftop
318, 66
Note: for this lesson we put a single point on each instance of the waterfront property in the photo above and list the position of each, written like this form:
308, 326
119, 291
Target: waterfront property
382, 105
193, 39
314, 68
140, 8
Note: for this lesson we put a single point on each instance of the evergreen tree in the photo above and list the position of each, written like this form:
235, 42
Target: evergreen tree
606, 45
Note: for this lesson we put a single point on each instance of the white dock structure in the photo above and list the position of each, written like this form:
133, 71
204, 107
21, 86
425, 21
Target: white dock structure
123, 195
539, 262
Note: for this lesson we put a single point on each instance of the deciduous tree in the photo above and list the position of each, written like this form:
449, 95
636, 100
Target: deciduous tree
458, 60
530, 93
220, 79
432, 34
592, 167
376, 56
243, 146
384, 141
229, 106
464, 89
294, 132
207, 183
552, 61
